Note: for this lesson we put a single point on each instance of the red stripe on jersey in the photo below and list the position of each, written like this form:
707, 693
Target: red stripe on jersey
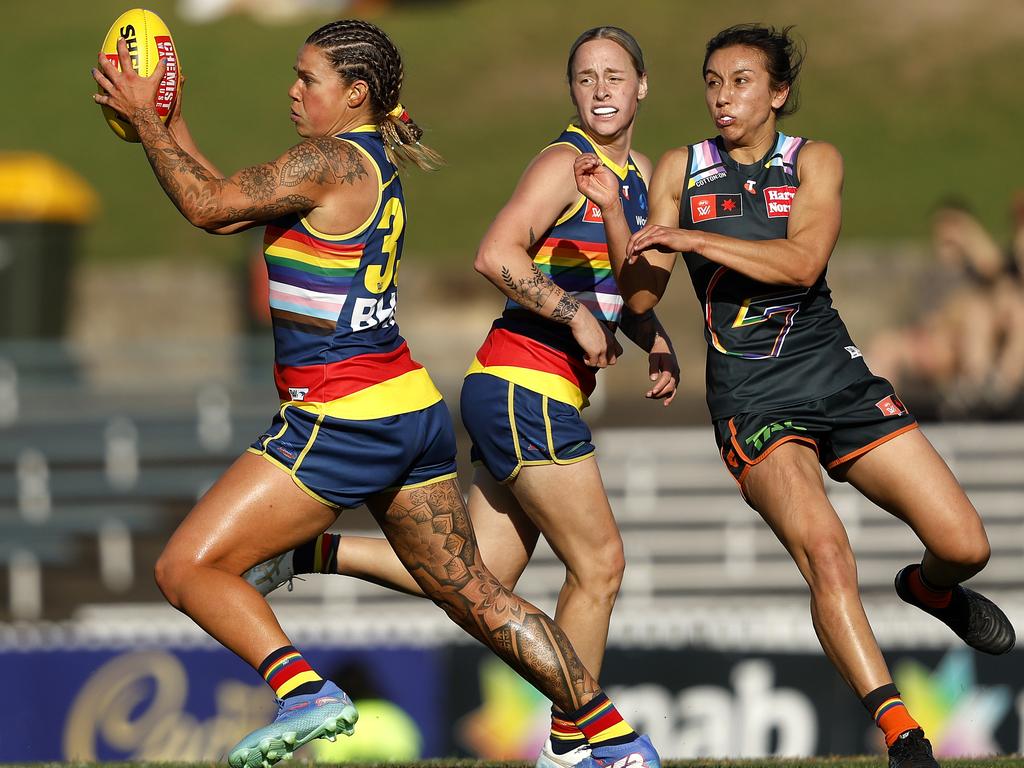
332, 381
502, 347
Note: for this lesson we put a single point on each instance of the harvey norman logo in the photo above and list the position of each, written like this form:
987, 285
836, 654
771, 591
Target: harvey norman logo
778, 201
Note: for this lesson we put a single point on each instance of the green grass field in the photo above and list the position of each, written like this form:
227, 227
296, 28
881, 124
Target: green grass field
916, 95
831, 762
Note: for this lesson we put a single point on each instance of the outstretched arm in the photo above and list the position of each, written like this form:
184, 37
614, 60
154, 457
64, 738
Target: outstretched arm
800, 257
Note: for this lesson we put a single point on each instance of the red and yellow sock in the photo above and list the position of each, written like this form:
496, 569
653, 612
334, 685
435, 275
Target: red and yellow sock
925, 593
565, 736
319, 555
601, 722
289, 674
889, 712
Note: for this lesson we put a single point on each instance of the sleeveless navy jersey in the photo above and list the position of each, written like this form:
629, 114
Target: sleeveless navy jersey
768, 345
574, 252
332, 300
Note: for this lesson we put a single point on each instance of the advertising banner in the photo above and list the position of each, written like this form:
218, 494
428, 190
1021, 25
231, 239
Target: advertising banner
191, 704
696, 703
168, 703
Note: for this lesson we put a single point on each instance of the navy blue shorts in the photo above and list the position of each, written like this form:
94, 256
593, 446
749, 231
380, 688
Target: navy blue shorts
839, 427
343, 462
512, 427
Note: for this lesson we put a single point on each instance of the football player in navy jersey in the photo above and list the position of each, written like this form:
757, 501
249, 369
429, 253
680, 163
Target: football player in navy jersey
352, 397
756, 215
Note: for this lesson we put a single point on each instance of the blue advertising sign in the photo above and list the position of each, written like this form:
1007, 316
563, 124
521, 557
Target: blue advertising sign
160, 704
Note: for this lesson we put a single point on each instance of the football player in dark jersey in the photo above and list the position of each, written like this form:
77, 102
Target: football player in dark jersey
756, 215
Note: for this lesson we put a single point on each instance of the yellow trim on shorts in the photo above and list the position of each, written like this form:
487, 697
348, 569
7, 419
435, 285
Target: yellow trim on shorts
551, 442
302, 486
438, 479
542, 382
412, 391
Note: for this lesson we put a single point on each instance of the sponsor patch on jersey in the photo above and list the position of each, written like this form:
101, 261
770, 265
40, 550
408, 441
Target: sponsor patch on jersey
718, 206
891, 406
592, 213
778, 201
854, 352
751, 186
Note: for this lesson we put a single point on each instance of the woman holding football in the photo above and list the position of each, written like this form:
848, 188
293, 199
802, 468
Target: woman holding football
756, 214
352, 396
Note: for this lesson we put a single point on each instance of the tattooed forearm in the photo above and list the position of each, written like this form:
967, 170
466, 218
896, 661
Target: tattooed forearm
565, 310
175, 169
531, 292
323, 160
199, 195
431, 533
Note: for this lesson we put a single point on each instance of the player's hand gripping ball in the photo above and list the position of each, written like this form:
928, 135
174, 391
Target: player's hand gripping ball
148, 40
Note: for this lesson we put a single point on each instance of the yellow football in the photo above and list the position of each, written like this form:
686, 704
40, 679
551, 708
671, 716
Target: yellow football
148, 39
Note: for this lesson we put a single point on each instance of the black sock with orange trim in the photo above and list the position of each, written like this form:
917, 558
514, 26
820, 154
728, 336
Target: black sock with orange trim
886, 707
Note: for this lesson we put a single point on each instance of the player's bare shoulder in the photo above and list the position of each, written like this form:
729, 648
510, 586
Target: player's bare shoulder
323, 160
819, 158
670, 173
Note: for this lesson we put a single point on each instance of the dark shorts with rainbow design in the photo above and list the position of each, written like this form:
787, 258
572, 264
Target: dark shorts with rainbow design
343, 462
839, 427
512, 427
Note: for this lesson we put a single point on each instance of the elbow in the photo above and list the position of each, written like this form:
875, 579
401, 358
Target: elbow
201, 220
807, 278
641, 302
809, 272
485, 264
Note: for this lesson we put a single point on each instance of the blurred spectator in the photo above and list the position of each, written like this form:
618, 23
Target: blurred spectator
964, 357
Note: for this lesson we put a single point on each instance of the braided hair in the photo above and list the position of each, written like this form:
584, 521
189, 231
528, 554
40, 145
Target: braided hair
359, 50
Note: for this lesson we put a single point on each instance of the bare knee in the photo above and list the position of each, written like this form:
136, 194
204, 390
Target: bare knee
599, 573
171, 572
969, 555
831, 568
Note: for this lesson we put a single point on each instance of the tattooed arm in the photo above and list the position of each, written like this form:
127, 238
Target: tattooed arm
299, 180
546, 191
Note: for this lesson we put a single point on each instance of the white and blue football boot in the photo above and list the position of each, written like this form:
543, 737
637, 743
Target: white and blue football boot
638, 753
300, 719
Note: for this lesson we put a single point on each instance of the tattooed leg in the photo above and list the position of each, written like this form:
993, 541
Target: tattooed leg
430, 530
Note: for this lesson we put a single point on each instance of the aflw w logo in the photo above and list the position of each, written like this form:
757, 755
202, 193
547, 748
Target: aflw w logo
641, 221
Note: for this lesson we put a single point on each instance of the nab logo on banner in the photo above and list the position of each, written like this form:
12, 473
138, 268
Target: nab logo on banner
778, 201
704, 207
592, 213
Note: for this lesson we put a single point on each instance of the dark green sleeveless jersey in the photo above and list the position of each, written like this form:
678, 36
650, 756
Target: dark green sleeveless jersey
768, 345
